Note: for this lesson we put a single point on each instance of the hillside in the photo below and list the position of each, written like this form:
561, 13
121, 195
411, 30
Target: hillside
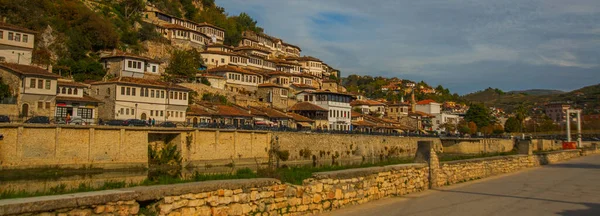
70, 33
587, 98
538, 92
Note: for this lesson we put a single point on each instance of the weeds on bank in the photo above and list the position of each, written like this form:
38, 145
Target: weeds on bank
443, 157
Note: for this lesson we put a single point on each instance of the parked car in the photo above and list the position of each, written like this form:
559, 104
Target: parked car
38, 120
167, 124
75, 120
4, 119
114, 123
135, 122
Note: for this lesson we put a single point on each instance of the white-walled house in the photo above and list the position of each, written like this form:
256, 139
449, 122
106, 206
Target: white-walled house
429, 106
135, 98
71, 100
130, 65
337, 105
16, 44
442, 118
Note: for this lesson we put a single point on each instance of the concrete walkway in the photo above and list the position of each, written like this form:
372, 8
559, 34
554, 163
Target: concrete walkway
569, 188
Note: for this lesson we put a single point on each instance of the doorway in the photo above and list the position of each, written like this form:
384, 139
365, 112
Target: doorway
25, 110
143, 117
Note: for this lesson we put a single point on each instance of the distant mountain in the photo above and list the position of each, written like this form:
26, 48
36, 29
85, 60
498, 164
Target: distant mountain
537, 92
587, 98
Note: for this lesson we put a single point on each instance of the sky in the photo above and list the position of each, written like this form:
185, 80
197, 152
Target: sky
464, 45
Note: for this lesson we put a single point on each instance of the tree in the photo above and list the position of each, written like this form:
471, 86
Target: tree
204, 81
512, 125
479, 114
472, 127
183, 65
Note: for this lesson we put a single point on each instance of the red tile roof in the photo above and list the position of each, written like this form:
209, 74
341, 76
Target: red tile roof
142, 82
85, 98
4, 25
355, 114
269, 112
299, 118
366, 102
303, 86
227, 68
196, 110
28, 70
266, 85
306, 106
72, 84
257, 48
425, 102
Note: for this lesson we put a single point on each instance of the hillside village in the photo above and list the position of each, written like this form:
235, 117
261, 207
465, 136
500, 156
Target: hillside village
263, 81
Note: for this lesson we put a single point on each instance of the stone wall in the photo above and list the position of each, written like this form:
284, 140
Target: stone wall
476, 146
347, 146
325, 191
11, 110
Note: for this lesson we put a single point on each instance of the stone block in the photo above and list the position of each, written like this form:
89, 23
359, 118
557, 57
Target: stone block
235, 209
204, 211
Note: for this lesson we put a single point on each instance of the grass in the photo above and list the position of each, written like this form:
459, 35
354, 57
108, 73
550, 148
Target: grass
244, 173
295, 175
449, 157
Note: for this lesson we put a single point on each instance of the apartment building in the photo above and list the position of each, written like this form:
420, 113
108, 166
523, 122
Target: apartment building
72, 100
369, 107
309, 65
16, 44
238, 80
397, 110
337, 106
428, 106
184, 37
276, 96
119, 64
557, 111
135, 98
441, 119
275, 45
34, 89
216, 34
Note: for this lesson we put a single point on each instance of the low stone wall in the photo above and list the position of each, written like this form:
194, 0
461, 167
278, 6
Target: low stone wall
476, 146
453, 172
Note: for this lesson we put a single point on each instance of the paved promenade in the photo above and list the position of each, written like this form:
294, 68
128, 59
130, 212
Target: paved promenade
568, 188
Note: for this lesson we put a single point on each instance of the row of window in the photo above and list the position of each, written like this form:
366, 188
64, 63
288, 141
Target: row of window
313, 64
67, 90
334, 98
339, 113
40, 104
212, 31
12, 36
39, 83
244, 78
134, 64
146, 92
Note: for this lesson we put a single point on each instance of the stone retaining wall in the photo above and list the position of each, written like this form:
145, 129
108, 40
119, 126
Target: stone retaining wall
323, 192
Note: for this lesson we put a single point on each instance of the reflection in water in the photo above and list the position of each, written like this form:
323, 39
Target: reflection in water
35, 183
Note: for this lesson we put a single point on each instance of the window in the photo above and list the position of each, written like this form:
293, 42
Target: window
222, 60
10, 36
48, 84
162, 94
177, 114
40, 105
127, 111
47, 105
40, 84
32, 83
25, 38
1, 34
180, 96
184, 96
170, 95
85, 113
70, 91
151, 112
18, 37
122, 111
128, 91
61, 112
154, 69
151, 93
122, 90
161, 113
146, 92
139, 65
129, 64
132, 91
142, 92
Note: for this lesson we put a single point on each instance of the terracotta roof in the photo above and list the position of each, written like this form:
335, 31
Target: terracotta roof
306, 106
303, 86
292, 45
355, 114
269, 112
366, 102
227, 68
210, 25
363, 123
299, 118
72, 84
280, 61
210, 76
304, 58
265, 85
195, 110
425, 102
252, 48
226, 110
121, 54
220, 53
4, 25
85, 98
28, 70
142, 82
279, 73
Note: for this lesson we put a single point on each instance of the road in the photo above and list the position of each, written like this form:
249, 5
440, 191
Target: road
568, 188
